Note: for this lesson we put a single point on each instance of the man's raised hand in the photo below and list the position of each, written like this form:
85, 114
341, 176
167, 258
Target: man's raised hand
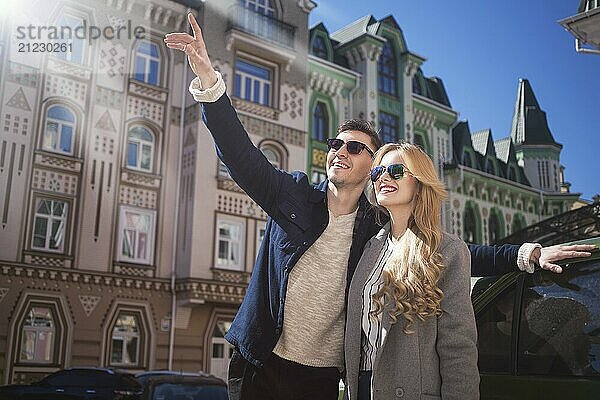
195, 48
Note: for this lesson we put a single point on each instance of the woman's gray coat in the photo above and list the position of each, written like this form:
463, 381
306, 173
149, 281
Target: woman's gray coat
438, 360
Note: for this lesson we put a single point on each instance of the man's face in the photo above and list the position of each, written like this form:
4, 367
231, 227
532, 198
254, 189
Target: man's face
350, 170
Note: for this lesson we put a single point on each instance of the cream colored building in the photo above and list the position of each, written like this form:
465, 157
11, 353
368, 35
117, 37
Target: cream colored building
106, 192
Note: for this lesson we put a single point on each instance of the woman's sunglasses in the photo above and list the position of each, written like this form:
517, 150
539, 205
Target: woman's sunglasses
352, 146
395, 171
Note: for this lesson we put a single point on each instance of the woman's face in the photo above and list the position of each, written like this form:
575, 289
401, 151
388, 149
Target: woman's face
394, 193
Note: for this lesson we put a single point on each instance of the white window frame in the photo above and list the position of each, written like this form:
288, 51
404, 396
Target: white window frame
241, 248
54, 146
51, 219
147, 61
270, 100
140, 143
38, 334
267, 9
67, 19
149, 256
126, 338
260, 225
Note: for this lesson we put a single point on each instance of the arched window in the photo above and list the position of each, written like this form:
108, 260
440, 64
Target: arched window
319, 48
470, 226
466, 159
126, 339
38, 336
387, 70
264, 7
76, 47
273, 156
140, 149
320, 122
59, 134
222, 350
147, 63
518, 223
493, 228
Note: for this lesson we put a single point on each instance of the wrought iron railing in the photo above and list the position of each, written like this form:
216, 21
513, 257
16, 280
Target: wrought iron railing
263, 26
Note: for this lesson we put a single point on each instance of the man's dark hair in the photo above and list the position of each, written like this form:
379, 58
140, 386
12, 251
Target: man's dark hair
363, 126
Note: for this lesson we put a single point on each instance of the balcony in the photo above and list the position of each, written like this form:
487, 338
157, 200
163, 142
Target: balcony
263, 26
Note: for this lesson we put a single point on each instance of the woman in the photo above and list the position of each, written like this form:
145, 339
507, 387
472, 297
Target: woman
410, 327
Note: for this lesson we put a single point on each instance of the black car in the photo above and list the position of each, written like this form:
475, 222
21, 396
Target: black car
170, 385
77, 384
539, 334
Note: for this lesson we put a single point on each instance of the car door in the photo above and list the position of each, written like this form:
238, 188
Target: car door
538, 335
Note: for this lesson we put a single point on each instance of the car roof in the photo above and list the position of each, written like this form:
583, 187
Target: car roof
595, 253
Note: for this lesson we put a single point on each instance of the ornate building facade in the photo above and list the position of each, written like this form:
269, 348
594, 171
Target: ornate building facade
115, 212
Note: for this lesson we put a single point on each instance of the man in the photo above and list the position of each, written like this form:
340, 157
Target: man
288, 332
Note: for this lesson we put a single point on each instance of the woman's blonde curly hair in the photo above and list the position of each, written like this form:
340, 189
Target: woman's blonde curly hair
411, 274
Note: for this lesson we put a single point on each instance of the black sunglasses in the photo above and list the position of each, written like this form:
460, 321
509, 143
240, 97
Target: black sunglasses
396, 171
352, 146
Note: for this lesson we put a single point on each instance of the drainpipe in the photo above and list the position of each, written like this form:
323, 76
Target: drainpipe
580, 49
176, 225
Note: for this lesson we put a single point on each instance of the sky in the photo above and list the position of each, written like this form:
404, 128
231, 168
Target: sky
480, 49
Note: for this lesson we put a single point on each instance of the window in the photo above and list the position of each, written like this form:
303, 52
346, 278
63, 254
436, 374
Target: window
140, 149
223, 171
420, 141
318, 176
253, 82
49, 225
147, 63
388, 127
125, 342
261, 227
38, 336
229, 244
221, 350
59, 130
494, 332
136, 235
416, 85
264, 7
387, 70
489, 167
67, 25
493, 228
466, 159
272, 155
320, 122
559, 332
319, 48
470, 226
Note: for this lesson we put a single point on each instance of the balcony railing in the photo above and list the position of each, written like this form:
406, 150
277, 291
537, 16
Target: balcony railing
263, 26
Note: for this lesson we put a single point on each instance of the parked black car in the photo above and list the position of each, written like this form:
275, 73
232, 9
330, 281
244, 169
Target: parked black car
539, 334
77, 384
170, 385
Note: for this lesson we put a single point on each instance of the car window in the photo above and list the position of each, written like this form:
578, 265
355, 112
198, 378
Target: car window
127, 381
560, 322
72, 378
494, 332
188, 391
